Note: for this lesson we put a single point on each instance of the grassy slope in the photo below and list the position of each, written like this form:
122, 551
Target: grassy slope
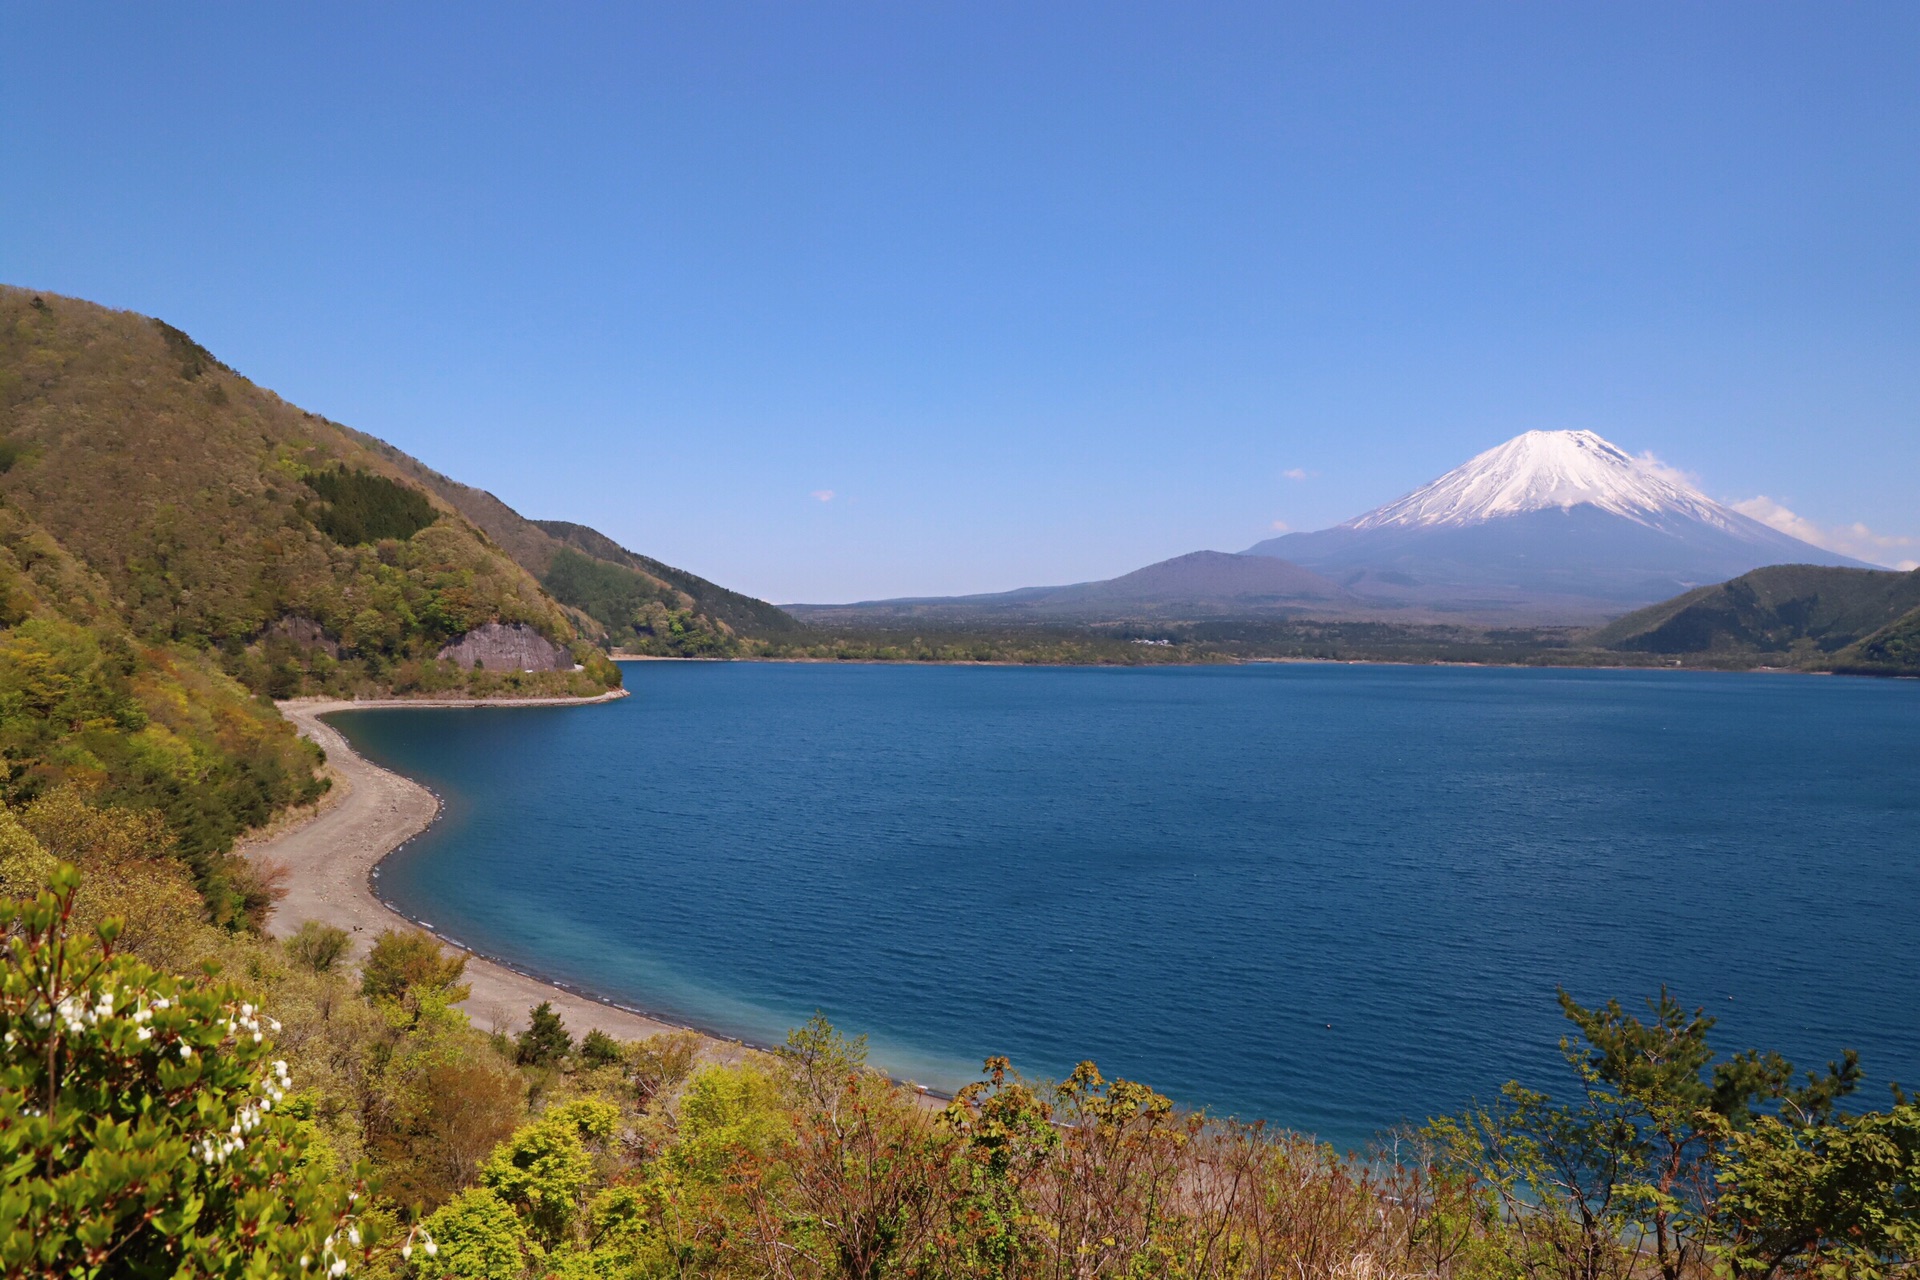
1801, 613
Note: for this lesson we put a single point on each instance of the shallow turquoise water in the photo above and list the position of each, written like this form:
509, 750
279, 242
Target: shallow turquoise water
1333, 896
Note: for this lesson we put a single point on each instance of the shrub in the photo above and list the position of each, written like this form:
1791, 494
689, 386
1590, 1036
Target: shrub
402, 961
318, 946
137, 1120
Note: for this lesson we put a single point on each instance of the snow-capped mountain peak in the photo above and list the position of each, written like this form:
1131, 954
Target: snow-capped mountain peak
1541, 470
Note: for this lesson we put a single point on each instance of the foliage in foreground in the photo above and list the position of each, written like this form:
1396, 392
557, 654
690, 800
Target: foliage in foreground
544, 1155
144, 1126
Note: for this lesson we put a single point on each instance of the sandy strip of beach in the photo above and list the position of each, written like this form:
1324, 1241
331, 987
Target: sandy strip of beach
372, 811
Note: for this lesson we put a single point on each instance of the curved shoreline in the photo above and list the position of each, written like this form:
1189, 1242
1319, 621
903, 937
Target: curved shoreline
329, 859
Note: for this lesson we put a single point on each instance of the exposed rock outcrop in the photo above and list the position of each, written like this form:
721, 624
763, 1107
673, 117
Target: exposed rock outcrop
502, 647
304, 632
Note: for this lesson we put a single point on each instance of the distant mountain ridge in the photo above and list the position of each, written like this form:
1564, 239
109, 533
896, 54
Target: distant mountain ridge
1551, 523
1201, 583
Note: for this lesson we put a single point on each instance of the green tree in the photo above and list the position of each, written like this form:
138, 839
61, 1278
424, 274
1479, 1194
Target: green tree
1625, 1175
1825, 1198
479, 1238
545, 1042
1007, 1137
545, 1169
598, 1049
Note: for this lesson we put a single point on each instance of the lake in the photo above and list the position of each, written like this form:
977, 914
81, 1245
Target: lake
1336, 897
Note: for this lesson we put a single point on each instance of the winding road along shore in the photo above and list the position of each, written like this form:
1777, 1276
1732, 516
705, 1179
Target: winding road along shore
328, 855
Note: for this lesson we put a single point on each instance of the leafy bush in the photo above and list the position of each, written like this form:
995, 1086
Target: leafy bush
408, 961
318, 946
138, 1121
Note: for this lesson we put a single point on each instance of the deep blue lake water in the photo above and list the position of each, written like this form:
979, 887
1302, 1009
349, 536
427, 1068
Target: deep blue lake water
1333, 896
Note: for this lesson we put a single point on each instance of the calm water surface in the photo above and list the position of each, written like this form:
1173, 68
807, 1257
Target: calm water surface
1336, 897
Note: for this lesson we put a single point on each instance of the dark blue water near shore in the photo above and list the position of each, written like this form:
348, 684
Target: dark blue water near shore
1332, 896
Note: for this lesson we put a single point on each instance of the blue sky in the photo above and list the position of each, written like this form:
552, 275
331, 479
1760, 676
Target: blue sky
1035, 293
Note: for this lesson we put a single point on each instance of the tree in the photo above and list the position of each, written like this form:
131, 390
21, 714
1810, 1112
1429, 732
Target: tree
1831, 1197
546, 1168
1007, 1138
405, 960
545, 1042
318, 946
138, 1121
598, 1049
1626, 1175
857, 1170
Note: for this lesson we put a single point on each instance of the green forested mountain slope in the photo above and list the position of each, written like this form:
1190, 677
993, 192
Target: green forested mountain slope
743, 615
88, 707
1809, 614
1894, 648
633, 601
220, 517
175, 542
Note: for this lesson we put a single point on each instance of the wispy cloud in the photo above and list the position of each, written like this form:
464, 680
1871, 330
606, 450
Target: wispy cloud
1667, 471
1298, 473
1281, 526
1854, 539
822, 495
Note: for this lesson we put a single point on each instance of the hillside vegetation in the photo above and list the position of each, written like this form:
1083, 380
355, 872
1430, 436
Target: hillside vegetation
1802, 615
223, 520
296, 1116
175, 544
621, 598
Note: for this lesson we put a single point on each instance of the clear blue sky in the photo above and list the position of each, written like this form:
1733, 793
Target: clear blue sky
1037, 292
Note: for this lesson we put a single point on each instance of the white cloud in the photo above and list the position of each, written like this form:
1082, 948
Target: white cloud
822, 495
1297, 473
1671, 474
1854, 539
1281, 526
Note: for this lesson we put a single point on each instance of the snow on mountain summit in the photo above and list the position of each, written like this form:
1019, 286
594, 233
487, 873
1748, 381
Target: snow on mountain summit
1541, 470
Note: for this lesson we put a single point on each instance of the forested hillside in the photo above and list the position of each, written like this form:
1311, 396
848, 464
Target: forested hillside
1813, 616
223, 520
628, 600
177, 543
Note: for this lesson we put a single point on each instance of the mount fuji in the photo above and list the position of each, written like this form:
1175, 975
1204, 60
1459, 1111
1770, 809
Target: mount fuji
1552, 524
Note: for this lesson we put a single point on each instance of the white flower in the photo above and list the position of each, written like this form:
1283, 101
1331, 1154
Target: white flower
186, 1051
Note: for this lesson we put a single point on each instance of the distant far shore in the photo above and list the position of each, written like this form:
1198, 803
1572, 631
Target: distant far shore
1205, 660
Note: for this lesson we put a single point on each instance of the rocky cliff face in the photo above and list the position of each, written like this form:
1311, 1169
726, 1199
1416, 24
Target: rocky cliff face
496, 647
